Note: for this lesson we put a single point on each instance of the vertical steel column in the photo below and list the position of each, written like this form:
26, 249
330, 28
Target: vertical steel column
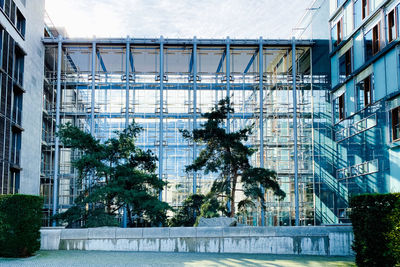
312, 130
228, 94
296, 181
127, 53
93, 87
194, 107
92, 125
57, 139
228, 78
261, 86
160, 153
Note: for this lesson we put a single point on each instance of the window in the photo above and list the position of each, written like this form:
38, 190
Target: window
391, 26
341, 107
19, 66
364, 8
372, 42
375, 39
20, 23
12, 12
337, 33
357, 13
340, 31
345, 65
364, 92
396, 124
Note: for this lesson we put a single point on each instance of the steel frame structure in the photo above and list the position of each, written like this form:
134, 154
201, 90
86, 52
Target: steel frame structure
275, 73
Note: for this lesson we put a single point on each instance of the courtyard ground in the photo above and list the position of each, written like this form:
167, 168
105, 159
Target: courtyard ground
106, 258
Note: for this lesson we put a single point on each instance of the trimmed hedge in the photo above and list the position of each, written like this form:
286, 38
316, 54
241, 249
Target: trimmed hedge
376, 226
20, 221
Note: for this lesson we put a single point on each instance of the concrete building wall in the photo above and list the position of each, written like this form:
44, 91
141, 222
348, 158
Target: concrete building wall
32, 103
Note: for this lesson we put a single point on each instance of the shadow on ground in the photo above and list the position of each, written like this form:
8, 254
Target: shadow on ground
108, 258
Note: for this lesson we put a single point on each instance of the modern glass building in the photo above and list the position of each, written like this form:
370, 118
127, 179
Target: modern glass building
364, 53
165, 85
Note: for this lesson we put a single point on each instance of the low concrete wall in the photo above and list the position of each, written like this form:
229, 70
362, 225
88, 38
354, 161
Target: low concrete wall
310, 240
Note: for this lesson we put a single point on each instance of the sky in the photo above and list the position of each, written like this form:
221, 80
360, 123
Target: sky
273, 19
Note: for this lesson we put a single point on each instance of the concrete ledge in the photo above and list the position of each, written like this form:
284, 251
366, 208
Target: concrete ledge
79, 234
182, 232
309, 240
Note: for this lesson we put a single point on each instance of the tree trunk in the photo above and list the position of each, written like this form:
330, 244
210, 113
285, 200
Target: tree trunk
233, 193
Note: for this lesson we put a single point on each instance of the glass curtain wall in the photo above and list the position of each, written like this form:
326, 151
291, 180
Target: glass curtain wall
168, 87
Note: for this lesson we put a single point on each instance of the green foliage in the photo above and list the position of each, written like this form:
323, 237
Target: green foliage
227, 154
20, 221
120, 175
186, 215
376, 226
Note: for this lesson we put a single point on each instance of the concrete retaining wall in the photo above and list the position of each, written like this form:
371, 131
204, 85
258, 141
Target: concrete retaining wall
314, 240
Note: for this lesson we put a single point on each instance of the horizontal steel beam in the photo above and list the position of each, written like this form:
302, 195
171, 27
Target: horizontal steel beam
200, 42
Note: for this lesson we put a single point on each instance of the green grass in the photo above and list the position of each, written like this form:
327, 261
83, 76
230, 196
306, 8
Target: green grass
107, 258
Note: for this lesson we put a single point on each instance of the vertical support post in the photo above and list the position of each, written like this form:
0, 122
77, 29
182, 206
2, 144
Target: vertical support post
57, 139
228, 78
261, 86
92, 104
93, 87
194, 107
312, 130
228, 94
161, 148
127, 53
128, 50
296, 181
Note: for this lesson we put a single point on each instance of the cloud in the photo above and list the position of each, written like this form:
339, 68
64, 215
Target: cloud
177, 18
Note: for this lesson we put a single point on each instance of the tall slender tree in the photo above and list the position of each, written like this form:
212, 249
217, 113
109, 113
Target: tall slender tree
117, 174
227, 154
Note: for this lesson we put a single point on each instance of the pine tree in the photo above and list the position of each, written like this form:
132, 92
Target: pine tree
225, 153
120, 175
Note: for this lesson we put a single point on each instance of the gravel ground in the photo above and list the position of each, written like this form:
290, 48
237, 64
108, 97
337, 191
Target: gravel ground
106, 258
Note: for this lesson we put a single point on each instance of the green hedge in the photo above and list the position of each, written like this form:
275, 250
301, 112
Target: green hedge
376, 226
20, 221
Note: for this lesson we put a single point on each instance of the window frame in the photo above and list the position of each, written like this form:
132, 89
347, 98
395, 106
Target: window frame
364, 9
390, 31
342, 111
395, 124
376, 38
366, 100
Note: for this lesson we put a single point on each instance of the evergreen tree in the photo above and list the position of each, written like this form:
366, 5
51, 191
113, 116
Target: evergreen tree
186, 215
120, 175
226, 154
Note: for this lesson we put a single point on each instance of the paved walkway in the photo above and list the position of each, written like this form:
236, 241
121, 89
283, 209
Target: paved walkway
105, 258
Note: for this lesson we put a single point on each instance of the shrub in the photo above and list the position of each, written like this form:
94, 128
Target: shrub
20, 221
376, 226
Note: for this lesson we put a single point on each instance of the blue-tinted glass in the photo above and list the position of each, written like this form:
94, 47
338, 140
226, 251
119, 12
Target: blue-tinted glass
334, 35
398, 19
357, 13
368, 45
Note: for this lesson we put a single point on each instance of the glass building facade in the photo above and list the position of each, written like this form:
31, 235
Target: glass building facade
365, 101
166, 84
11, 92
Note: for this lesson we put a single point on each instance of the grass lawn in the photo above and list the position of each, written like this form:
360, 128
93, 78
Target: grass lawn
108, 258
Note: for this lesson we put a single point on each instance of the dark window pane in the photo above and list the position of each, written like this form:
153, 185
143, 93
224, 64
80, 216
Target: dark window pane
368, 45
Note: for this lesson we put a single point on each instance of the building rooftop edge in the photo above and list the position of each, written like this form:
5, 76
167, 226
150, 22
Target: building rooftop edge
50, 40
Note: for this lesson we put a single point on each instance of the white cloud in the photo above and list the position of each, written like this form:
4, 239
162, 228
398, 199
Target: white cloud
177, 18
